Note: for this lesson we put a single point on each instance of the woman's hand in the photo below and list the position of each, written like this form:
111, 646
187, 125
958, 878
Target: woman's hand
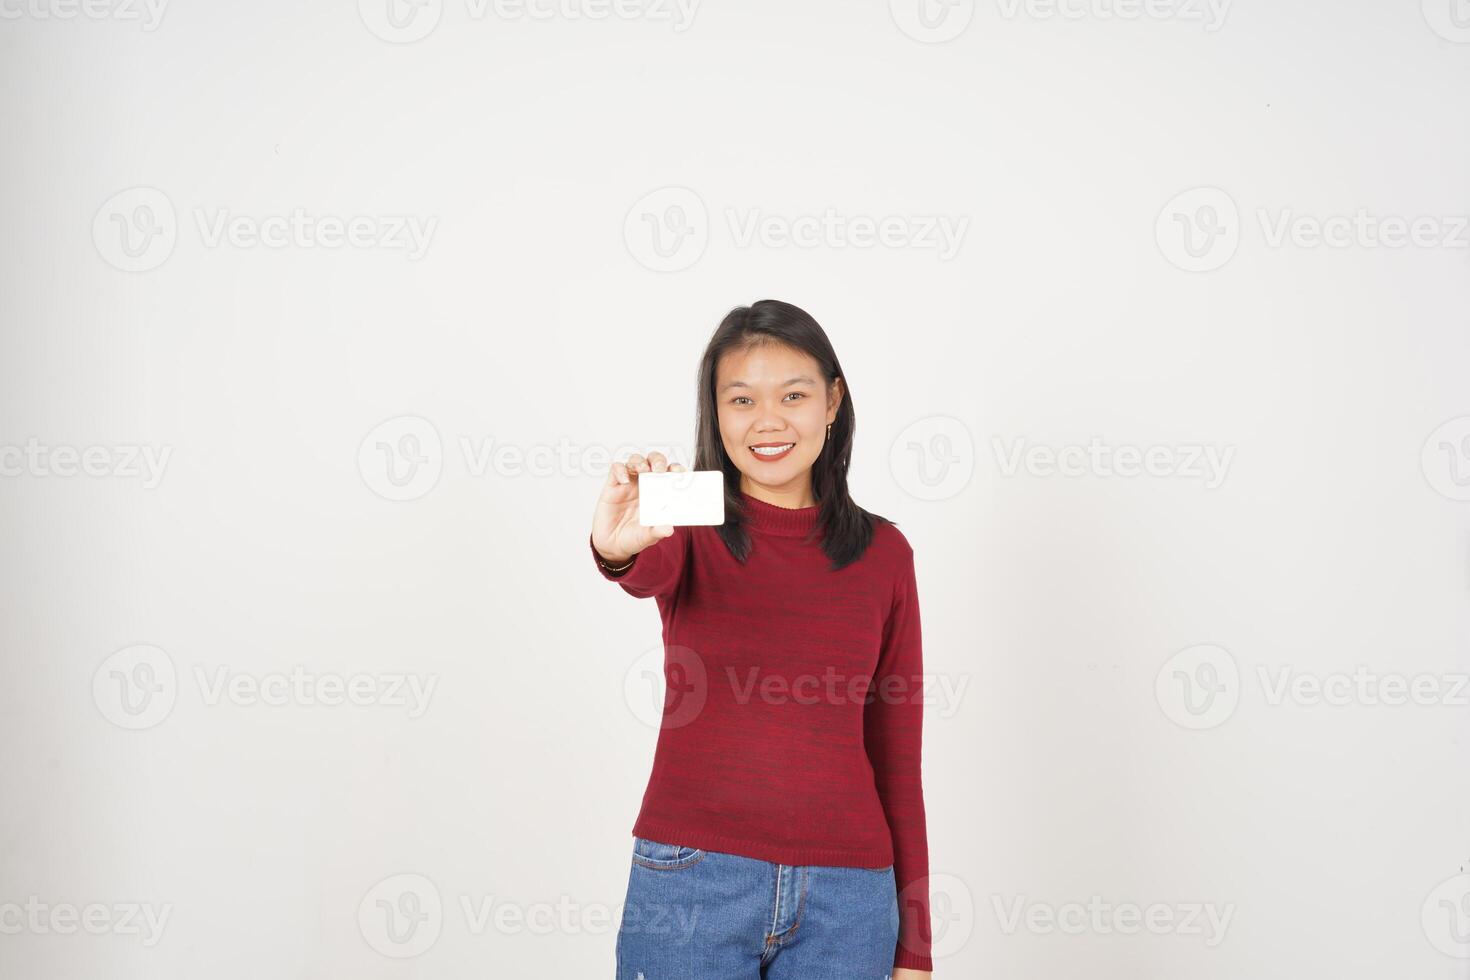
616, 533
904, 973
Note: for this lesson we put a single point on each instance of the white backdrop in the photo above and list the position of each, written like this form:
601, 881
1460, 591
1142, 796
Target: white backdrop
322, 322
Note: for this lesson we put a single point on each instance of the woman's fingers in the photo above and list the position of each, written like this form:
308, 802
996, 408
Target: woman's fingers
655, 462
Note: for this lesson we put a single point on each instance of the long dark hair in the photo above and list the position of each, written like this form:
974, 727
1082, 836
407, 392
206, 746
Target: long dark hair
845, 528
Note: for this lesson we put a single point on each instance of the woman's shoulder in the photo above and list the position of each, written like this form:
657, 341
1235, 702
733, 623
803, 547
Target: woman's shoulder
889, 543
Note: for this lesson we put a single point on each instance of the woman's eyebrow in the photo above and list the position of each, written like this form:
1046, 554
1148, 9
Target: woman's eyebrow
798, 380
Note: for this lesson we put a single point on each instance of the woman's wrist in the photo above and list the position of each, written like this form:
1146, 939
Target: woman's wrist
613, 564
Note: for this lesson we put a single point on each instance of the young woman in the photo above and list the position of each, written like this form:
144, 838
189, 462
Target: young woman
782, 832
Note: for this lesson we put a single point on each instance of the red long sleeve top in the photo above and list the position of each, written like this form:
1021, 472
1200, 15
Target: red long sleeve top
793, 708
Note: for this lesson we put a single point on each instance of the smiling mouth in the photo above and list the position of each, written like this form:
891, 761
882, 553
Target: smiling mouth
771, 450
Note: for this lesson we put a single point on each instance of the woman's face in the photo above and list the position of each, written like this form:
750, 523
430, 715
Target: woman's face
772, 397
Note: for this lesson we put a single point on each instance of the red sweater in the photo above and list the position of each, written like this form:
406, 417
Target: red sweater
767, 748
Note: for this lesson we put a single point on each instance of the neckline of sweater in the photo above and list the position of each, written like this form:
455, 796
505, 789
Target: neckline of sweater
764, 516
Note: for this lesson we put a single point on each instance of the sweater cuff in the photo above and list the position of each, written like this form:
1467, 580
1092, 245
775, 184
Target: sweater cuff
906, 960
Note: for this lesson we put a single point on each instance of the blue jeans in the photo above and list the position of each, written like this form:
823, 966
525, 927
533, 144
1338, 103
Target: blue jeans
693, 914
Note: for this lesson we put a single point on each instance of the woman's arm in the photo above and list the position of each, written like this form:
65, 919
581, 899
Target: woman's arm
645, 561
893, 734
655, 571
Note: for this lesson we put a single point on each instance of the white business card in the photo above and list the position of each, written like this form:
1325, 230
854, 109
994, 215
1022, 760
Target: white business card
681, 498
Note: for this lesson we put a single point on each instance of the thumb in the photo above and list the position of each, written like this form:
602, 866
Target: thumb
663, 530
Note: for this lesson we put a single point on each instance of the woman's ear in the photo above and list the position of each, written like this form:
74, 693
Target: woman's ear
834, 399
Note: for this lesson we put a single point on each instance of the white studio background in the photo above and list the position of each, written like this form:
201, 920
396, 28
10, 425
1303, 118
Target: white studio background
282, 280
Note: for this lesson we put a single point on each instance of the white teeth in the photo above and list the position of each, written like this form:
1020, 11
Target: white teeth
772, 450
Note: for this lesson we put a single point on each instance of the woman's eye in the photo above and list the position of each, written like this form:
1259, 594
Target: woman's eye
738, 399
